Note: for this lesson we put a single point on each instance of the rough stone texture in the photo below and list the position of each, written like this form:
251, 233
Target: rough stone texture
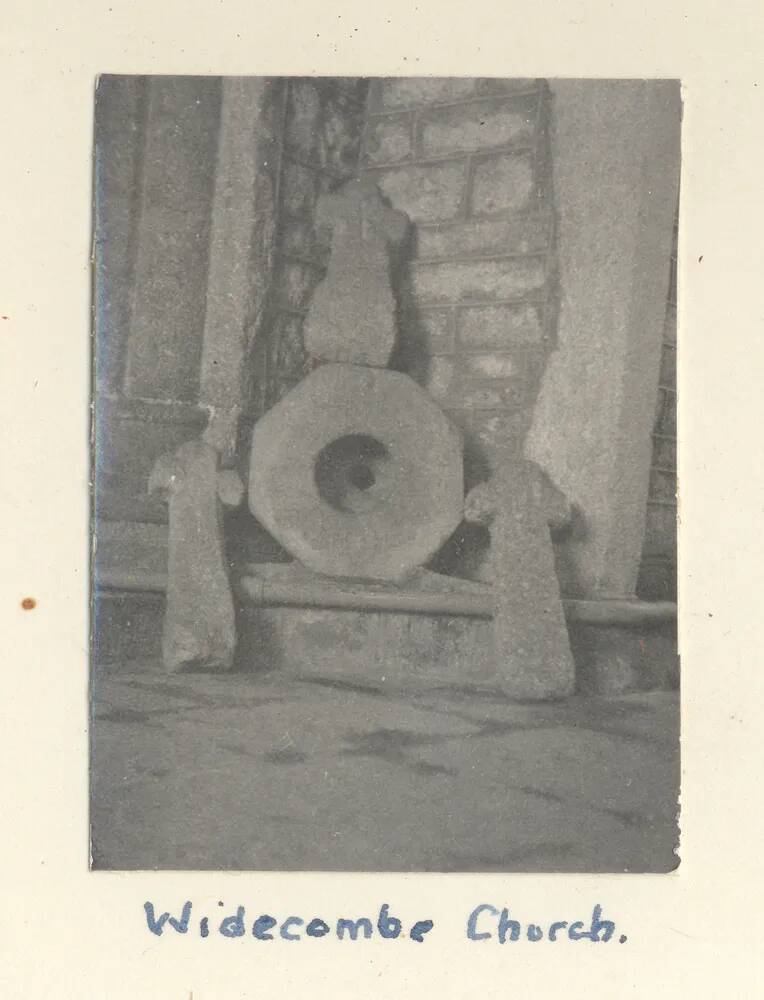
342, 125
322, 122
408, 92
597, 403
302, 118
300, 189
296, 283
425, 194
164, 161
524, 233
491, 365
286, 347
477, 280
530, 637
352, 315
339, 774
199, 630
482, 125
483, 236
499, 326
502, 184
172, 239
120, 106
438, 331
223, 379
389, 139
127, 443
357, 473
393, 650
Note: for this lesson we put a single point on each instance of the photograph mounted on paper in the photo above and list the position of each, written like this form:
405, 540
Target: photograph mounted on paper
384, 508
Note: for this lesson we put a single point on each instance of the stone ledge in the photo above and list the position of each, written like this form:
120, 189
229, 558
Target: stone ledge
421, 636
325, 592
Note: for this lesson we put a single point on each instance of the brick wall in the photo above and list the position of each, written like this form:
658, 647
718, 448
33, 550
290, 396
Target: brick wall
658, 571
468, 160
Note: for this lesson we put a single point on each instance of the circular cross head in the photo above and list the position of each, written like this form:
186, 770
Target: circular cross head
357, 473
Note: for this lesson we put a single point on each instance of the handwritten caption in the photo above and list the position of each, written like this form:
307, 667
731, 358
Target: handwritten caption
484, 923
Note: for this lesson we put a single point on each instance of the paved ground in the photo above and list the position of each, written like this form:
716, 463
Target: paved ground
242, 772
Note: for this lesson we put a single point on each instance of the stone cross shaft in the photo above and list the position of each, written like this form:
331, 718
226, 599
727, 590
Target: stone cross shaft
352, 315
199, 628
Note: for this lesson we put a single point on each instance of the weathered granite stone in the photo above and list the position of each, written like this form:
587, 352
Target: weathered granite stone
357, 473
396, 650
388, 139
397, 92
477, 280
502, 183
499, 326
172, 237
475, 126
352, 316
430, 192
199, 628
533, 657
526, 232
616, 155
236, 214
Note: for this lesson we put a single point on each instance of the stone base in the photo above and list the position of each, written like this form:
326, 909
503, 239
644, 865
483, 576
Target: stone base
385, 649
629, 647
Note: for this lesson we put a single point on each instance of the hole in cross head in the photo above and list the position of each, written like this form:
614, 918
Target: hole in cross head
347, 470
361, 476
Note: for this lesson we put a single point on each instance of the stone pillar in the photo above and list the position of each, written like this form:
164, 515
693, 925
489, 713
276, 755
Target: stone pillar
199, 629
616, 152
222, 380
172, 239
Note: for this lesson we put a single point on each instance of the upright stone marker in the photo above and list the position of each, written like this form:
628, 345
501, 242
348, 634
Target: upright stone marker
533, 657
199, 621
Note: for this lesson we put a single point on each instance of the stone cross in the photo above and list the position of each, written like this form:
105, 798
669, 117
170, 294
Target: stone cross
199, 627
352, 316
531, 643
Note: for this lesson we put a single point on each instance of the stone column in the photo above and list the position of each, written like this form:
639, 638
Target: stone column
199, 629
616, 152
172, 238
229, 309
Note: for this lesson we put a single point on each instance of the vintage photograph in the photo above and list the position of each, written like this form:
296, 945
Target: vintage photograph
384, 567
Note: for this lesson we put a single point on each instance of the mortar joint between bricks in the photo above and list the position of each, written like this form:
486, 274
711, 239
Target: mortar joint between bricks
455, 157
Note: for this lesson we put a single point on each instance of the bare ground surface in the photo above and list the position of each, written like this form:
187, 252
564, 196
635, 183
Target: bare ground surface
251, 773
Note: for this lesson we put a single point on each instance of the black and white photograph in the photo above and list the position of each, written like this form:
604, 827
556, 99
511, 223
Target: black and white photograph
384, 474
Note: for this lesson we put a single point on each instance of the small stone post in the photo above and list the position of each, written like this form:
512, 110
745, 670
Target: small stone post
199, 630
533, 657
